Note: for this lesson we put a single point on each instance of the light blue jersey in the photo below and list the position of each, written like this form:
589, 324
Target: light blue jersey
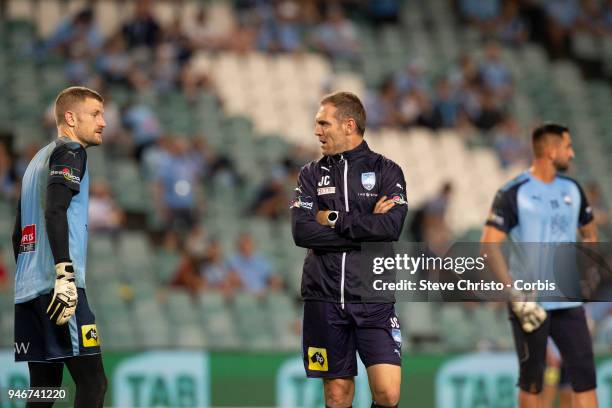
63, 162
529, 210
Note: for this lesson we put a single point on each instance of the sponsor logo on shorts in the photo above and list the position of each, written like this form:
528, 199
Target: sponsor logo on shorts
28, 239
326, 190
317, 359
90, 335
397, 337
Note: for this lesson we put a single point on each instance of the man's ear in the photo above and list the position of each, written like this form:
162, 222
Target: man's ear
70, 118
349, 126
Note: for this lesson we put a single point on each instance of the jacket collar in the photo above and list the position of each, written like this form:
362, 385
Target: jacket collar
361, 150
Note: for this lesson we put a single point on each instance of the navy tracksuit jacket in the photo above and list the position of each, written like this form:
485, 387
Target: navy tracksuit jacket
350, 183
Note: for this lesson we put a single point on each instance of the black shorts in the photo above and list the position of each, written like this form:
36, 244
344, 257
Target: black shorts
331, 336
37, 338
568, 329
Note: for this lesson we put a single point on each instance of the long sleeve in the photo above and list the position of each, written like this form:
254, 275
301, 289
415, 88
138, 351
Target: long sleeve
17, 231
307, 232
66, 167
379, 227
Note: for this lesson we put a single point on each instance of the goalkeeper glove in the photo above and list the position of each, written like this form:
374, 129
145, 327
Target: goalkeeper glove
64, 302
529, 313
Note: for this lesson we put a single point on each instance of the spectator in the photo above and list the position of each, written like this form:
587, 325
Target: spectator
24, 158
511, 148
490, 113
143, 30
337, 36
429, 223
382, 106
495, 75
9, 186
511, 28
411, 77
202, 35
415, 109
144, 127
480, 13
271, 199
383, 11
114, 62
446, 105
177, 189
105, 216
215, 273
77, 32
281, 31
253, 269
562, 17
186, 275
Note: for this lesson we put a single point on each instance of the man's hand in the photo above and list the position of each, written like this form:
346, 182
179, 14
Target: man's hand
322, 217
64, 302
383, 205
530, 314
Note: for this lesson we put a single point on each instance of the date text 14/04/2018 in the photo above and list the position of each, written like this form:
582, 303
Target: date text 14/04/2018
463, 284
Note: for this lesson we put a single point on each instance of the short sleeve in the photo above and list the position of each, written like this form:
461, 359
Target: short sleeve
585, 215
503, 214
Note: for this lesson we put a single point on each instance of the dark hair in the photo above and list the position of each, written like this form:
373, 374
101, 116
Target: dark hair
71, 96
348, 106
542, 132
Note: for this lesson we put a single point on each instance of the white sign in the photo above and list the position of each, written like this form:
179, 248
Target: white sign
163, 379
478, 380
294, 390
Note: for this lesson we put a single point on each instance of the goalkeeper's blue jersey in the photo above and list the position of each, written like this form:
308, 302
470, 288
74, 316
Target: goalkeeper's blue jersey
35, 273
529, 210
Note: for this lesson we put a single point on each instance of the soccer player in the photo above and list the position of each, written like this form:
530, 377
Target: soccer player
53, 323
542, 205
350, 195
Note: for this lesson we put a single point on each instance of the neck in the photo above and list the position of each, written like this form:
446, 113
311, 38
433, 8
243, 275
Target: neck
353, 143
69, 133
543, 170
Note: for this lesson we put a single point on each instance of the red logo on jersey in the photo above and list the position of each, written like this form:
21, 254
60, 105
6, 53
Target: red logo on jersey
28, 239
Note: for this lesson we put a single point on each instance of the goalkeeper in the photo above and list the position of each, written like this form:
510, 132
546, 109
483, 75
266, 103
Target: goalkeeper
53, 323
541, 205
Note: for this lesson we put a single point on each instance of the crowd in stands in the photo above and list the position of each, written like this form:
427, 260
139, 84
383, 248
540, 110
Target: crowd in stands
552, 23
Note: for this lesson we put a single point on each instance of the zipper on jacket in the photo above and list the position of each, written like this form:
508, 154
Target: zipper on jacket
346, 208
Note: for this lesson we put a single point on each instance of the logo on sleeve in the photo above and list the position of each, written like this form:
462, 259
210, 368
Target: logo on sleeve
28, 239
368, 180
317, 359
66, 172
399, 199
301, 202
495, 219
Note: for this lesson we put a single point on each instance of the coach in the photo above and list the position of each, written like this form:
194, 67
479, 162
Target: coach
349, 196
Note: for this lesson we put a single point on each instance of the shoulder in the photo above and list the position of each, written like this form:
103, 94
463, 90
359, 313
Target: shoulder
65, 147
384, 163
311, 167
566, 180
512, 186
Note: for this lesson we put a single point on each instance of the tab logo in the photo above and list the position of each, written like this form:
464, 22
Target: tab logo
28, 239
